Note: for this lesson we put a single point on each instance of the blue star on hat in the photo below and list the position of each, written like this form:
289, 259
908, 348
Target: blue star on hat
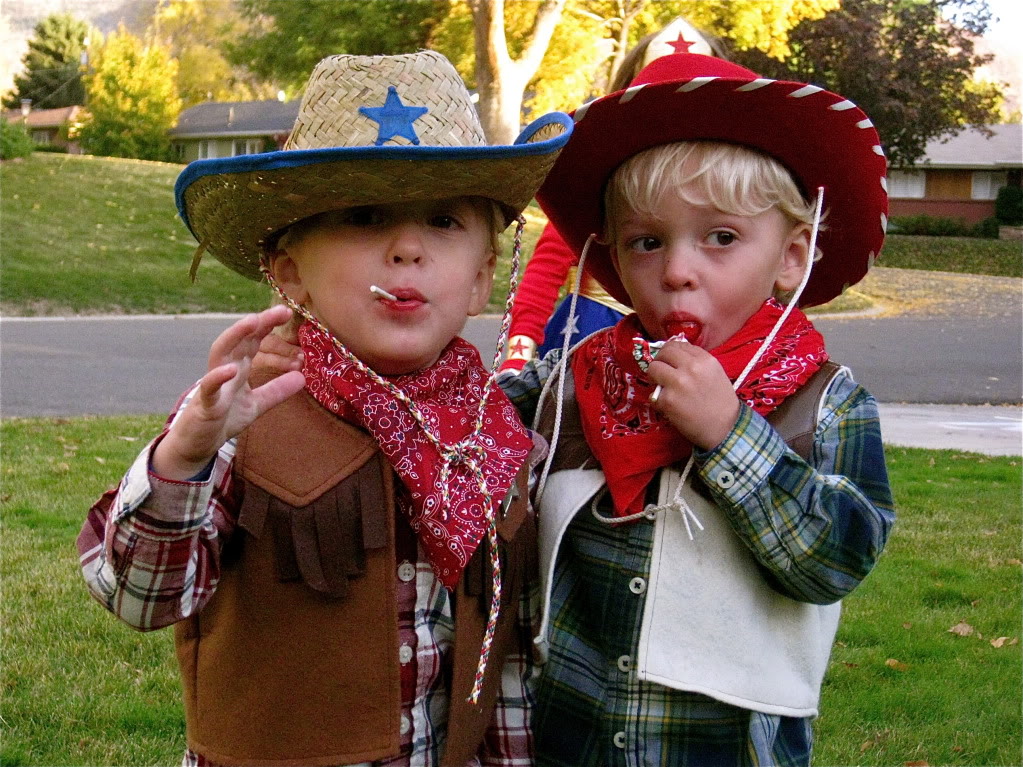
395, 118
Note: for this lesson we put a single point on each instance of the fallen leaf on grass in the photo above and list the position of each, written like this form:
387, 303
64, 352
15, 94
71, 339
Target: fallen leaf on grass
917, 763
1004, 642
100, 459
129, 439
867, 744
1013, 562
847, 664
907, 625
896, 664
962, 629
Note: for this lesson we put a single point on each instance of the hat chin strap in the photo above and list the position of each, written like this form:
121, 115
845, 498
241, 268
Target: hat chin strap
559, 373
678, 502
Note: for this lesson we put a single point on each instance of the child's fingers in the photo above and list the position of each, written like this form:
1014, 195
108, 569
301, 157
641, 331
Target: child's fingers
242, 338
211, 384
275, 391
675, 352
277, 355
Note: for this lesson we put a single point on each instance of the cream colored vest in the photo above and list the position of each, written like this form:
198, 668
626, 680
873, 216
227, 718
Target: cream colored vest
711, 623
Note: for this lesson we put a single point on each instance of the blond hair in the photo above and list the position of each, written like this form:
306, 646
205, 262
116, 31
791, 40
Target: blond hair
735, 179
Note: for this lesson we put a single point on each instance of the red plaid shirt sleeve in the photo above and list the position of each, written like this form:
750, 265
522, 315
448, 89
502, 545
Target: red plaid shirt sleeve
150, 548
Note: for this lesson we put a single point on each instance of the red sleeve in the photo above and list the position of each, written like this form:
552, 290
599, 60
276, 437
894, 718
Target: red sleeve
545, 274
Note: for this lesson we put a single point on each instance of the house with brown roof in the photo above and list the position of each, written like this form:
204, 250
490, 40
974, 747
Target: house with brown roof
959, 177
231, 128
48, 127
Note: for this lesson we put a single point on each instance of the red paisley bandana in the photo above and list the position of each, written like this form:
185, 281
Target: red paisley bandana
631, 440
448, 394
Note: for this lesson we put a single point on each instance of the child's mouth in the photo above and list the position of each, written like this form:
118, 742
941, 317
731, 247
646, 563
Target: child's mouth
403, 299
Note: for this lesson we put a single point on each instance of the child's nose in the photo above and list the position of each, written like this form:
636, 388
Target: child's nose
678, 271
406, 245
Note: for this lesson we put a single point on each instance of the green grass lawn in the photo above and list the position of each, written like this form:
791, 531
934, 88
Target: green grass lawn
88, 235
81, 689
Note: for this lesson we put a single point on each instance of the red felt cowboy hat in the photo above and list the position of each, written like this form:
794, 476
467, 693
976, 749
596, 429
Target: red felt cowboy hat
823, 139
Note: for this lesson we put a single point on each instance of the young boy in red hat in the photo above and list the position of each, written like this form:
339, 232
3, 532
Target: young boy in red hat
536, 326
343, 551
715, 485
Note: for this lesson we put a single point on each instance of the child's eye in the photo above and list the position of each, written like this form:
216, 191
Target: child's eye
363, 216
644, 244
443, 221
722, 238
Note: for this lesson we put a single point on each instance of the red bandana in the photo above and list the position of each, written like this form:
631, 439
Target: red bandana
448, 394
631, 440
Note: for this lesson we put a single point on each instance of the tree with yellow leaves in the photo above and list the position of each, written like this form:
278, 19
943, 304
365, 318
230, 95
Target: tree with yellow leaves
132, 99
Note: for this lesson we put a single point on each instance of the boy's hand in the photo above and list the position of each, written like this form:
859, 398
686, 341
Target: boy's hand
278, 353
696, 395
224, 403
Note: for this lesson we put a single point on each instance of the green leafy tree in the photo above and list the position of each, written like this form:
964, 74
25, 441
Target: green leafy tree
586, 45
197, 32
908, 64
286, 39
133, 100
520, 56
52, 75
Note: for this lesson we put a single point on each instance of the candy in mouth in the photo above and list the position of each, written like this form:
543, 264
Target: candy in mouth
683, 330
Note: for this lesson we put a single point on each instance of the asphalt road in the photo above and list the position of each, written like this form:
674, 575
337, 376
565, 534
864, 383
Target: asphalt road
118, 365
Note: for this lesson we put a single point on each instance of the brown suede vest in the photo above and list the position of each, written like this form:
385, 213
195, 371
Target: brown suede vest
294, 660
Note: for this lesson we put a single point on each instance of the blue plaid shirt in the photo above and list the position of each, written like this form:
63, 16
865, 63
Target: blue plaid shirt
816, 528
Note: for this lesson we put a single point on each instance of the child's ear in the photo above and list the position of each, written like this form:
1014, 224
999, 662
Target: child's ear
482, 284
285, 271
796, 250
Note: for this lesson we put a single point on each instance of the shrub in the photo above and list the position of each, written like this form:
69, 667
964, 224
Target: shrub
935, 226
1009, 206
14, 141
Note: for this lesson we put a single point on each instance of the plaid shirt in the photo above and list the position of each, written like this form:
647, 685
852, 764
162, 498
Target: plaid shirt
150, 553
832, 516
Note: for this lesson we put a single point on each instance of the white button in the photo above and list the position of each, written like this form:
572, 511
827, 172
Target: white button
725, 479
637, 585
404, 654
625, 663
406, 571
406, 725
619, 739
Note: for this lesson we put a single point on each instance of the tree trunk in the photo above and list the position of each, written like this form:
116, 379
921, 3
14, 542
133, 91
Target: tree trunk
500, 80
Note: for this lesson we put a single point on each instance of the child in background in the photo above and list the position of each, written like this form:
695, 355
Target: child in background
536, 326
716, 486
343, 551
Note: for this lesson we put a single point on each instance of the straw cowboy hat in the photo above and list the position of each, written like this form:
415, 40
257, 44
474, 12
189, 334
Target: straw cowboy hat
370, 130
823, 139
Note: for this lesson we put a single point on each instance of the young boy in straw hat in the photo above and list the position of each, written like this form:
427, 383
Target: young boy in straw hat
343, 550
716, 486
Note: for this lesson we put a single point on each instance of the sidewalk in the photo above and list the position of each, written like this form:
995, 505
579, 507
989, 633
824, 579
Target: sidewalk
988, 429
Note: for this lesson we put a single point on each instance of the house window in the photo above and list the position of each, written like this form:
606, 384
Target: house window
906, 184
247, 146
207, 150
41, 137
986, 184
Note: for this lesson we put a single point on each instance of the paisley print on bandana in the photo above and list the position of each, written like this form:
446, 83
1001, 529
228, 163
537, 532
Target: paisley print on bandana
631, 440
448, 394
